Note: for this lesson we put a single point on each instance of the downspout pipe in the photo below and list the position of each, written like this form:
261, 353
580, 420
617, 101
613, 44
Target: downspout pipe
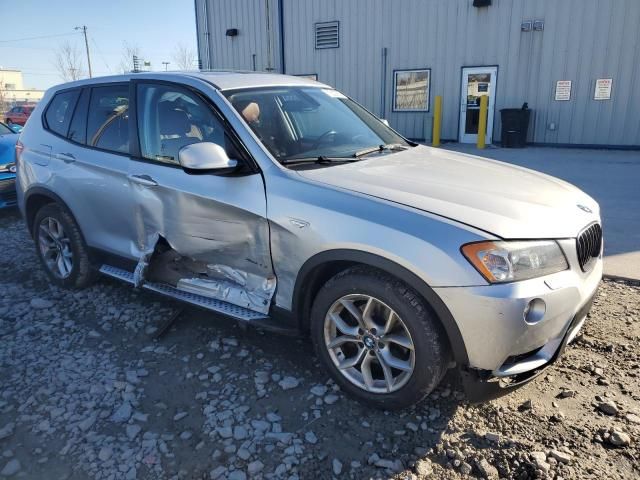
383, 83
281, 27
195, 6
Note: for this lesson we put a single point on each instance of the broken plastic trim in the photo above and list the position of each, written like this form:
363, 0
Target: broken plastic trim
219, 282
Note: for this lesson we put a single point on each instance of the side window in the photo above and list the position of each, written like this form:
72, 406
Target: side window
59, 111
170, 118
108, 118
78, 127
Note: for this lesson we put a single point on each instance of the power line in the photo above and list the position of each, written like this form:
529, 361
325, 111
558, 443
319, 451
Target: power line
39, 37
101, 55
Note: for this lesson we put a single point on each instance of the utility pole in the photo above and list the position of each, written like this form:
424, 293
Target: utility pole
86, 44
166, 64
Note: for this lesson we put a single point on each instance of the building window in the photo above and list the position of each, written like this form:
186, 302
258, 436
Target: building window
10, 86
411, 89
327, 35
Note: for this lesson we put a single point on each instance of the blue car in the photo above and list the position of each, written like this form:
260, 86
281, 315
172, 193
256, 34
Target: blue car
8, 139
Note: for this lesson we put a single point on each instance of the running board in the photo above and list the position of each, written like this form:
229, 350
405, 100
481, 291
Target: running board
201, 301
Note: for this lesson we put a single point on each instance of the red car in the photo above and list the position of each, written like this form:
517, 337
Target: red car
19, 114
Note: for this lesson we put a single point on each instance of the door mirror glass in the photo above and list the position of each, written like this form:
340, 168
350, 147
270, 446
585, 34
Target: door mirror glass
206, 156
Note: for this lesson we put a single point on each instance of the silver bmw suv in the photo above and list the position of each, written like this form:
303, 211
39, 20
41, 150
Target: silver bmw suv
282, 203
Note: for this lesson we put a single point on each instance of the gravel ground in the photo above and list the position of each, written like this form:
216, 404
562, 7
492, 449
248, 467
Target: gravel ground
86, 392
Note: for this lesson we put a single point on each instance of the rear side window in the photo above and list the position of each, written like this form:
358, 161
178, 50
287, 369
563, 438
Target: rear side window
59, 111
78, 127
108, 119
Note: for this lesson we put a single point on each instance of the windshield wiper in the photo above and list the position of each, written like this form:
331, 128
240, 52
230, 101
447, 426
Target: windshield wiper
380, 148
322, 159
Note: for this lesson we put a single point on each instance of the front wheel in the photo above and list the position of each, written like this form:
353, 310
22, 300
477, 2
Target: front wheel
378, 339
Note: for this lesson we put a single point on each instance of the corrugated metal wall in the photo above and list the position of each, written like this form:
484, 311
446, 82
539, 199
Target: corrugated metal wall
214, 18
582, 40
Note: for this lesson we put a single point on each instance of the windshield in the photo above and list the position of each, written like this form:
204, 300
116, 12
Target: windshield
4, 129
310, 122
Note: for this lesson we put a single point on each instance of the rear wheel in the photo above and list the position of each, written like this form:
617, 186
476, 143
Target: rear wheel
378, 338
61, 248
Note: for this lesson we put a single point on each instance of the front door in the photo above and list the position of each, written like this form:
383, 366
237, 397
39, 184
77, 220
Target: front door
214, 225
476, 82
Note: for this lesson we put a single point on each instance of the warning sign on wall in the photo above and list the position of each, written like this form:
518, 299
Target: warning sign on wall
563, 90
603, 89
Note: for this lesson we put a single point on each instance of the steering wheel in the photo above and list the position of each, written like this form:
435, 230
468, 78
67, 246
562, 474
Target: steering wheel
322, 137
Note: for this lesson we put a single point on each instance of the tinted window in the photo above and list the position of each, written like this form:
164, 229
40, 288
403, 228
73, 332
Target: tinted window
59, 111
170, 118
78, 127
309, 122
108, 119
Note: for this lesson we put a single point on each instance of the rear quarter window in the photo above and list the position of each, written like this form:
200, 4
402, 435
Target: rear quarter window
59, 111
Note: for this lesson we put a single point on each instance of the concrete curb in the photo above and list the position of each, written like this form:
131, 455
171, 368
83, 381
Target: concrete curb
635, 281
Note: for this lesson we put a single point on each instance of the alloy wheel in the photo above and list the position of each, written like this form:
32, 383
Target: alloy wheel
55, 247
369, 343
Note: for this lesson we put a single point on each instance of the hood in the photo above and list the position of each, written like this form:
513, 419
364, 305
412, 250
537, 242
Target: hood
499, 198
8, 148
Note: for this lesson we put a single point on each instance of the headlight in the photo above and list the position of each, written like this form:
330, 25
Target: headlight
515, 260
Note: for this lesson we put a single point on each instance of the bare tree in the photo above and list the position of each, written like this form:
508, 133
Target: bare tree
184, 57
128, 52
68, 62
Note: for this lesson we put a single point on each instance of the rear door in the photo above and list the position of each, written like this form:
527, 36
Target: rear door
215, 224
92, 161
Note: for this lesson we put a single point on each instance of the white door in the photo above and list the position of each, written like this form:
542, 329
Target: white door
476, 82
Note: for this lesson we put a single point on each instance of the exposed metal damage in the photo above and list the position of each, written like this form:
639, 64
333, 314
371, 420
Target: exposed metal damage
208, 251
222, 282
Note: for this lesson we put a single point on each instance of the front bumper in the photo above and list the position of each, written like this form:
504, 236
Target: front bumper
504, 350
481, 386
8, 196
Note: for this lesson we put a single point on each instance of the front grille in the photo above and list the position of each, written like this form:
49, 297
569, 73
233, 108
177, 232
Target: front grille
588, 245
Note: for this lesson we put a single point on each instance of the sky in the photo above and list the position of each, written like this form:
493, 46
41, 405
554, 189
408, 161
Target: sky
155, 27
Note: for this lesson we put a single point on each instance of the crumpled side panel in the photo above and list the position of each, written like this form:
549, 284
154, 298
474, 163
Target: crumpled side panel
231, 242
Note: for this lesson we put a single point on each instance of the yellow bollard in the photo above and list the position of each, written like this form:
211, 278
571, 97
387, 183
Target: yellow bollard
482, 122
437, 121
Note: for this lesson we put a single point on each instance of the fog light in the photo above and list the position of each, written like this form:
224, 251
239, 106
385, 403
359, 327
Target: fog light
535, 310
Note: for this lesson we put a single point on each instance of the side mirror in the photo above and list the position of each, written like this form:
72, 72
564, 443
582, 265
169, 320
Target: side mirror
385, 121
206, 156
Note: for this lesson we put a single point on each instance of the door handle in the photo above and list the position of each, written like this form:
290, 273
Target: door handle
66, 157
145, 180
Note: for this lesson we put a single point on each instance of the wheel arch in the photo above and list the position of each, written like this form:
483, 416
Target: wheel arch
322, 266
37, 197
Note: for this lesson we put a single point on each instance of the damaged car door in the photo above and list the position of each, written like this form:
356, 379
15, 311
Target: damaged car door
201, 231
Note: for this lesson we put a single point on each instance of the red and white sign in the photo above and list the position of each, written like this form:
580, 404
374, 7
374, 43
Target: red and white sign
603, 89
563, 90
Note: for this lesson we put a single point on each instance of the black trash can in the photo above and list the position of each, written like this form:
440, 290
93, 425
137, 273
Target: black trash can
515, 123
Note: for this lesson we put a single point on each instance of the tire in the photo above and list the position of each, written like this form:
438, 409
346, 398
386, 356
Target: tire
69, 244
416, 326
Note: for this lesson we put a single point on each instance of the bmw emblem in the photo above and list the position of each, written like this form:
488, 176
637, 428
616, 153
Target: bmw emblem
584, 208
